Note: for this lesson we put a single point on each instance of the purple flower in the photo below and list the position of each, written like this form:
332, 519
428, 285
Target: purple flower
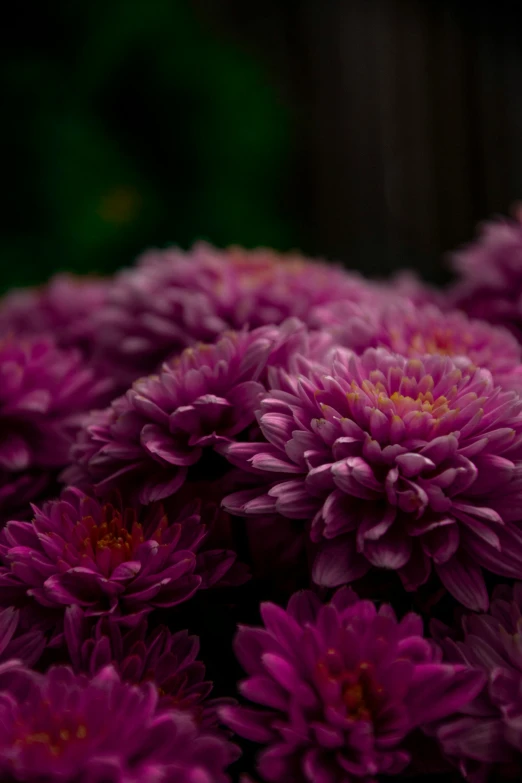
23, 644
491, 731
418, 331
173, 299
217, 559
408, 284
490, 270
63, 309
397, 463
168, 660
340, 688
150, 438
61, 726
44, 394
105, 559
278, 552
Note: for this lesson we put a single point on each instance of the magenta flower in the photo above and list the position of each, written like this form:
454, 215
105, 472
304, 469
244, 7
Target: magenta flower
340, 688
397, 463
150, 438
408, 285
217, 559
61, 726
105, 559
18, 642
63, 309
168, 660
489, 736
278, 552
173, 299
44, 394
419, 331
490, 270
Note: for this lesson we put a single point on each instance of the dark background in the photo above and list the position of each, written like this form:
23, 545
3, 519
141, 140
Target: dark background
374, 131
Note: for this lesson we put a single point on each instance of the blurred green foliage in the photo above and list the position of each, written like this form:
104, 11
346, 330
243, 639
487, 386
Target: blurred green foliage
130, 124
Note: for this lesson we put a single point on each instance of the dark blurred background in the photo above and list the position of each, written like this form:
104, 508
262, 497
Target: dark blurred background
377, 132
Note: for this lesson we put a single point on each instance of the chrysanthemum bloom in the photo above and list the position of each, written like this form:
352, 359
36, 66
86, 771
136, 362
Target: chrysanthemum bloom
63, 309
25, 645
168, 660
62, 726
105, 559
418, 331
273, 546
398, 463
163, 426
277, 549
44, 394
491, 732
217, 557
490, 270
341, 687
408, 285
173, 299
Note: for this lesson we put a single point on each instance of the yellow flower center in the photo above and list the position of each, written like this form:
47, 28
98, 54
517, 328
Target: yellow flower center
439, 340
423, 402
419, 399
115, 539
356, 688
55, 739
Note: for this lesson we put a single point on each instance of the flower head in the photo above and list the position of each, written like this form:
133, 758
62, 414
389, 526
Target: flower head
104, 558
44, 395
409, 286
164, 425
420, 331
62, 726
339, 688
168, 660
17, 641
63, 308
490, 270
217, 559
491, 731
397, 463
174, 299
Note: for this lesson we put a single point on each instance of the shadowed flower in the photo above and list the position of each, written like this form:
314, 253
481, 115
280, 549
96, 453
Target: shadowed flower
101, 557
419, 331
490, 270
490, 734
173, 299
408, 285
63, 308
278, 552
44, 394
397, 463
168, 660
23, 644
62, 726
217, 557
340, 688
150, 438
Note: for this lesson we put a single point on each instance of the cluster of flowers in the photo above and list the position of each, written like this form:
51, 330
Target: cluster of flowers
211, 436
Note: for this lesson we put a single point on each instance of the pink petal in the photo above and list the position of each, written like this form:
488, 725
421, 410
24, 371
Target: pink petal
464, 580
338, 563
